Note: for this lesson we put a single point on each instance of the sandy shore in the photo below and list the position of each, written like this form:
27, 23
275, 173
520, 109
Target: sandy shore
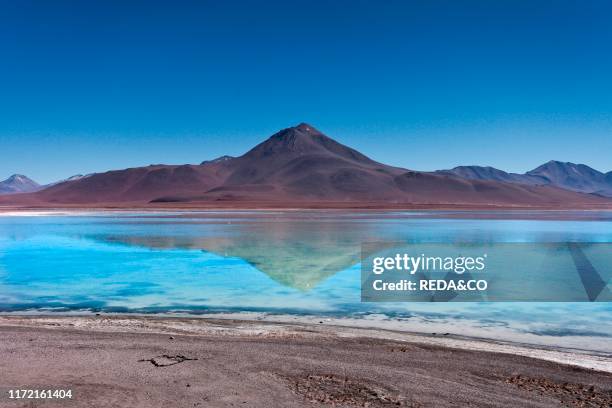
139, 361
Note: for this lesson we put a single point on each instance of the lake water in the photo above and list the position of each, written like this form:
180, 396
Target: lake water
297, 263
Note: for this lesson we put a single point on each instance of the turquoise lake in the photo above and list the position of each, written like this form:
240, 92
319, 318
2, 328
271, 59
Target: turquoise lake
297, 263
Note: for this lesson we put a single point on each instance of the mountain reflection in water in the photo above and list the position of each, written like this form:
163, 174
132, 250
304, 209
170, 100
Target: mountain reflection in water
298, 254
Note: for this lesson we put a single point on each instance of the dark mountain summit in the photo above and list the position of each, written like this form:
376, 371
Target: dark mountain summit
292, 157
300, 140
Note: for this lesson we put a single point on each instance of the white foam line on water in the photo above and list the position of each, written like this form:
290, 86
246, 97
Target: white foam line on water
131, 212
34, 213
83, 213
62, 213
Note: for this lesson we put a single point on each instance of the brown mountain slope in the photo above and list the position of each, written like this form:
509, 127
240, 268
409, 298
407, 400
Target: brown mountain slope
294, 167
299, 163
141, 184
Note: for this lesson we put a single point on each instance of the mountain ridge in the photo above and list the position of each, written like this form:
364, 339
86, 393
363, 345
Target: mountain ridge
566, 175
301, 166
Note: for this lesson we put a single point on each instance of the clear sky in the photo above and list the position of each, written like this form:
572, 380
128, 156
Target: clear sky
90, 86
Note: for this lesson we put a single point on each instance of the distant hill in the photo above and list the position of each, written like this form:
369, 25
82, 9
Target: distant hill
301, 167
575, 177
491, 173
218, 159
18, 183
568, 176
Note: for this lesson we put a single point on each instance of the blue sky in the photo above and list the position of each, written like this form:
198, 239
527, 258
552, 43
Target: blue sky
90, 86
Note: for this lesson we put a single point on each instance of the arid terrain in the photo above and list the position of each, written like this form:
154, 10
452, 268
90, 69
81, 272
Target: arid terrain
156, 362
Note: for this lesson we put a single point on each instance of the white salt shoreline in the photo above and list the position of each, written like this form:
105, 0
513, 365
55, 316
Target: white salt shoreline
258, 324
